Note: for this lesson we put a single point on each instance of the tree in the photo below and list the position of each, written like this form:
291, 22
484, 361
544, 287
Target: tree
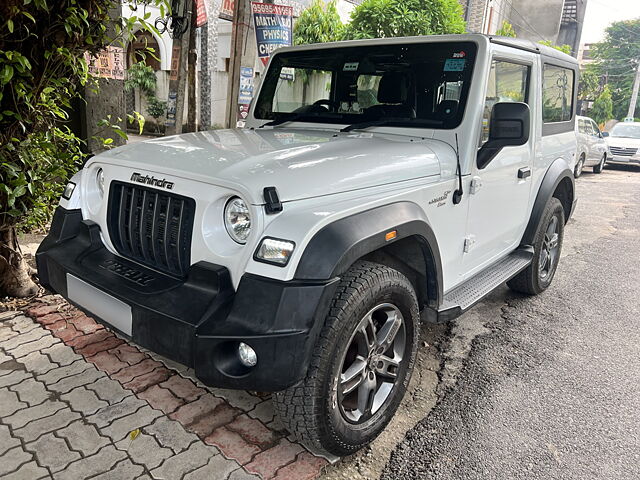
42, 70
399, 18
563, 48
603, 107
506, 30
320, 23
617, 58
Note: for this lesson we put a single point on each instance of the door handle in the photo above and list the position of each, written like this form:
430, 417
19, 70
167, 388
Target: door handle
524, 172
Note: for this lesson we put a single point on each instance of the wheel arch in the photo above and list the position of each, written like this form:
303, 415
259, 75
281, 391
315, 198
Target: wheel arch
414, 250
558, 182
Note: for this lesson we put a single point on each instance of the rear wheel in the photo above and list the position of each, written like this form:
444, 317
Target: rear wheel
577, 171
547, 247
361, 363
600, 166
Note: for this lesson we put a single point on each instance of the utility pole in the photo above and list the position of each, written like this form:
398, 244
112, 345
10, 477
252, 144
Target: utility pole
634, 94
238, 33
178, 79
191, 72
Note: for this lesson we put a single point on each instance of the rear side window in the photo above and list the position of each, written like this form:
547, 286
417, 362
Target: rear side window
557, 94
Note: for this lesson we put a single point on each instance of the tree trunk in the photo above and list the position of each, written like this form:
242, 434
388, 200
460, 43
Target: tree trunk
15, 273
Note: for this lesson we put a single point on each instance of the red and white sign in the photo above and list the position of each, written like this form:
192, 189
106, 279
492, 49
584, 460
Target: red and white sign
201, 13
226, 9
108, 64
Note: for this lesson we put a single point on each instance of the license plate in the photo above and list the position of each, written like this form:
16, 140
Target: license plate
109, 309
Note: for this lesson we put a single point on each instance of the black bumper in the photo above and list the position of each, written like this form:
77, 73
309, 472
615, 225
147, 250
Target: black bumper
199, 320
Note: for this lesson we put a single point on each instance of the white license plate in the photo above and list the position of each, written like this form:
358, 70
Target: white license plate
101, 304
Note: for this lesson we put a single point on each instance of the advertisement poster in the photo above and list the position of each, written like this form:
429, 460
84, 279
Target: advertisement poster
246, 86
108, 64
201, 13
226, 10
273, 27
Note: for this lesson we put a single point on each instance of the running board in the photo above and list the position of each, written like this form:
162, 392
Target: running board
467, 294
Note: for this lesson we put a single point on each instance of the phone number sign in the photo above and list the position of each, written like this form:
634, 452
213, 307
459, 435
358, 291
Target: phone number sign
273, 27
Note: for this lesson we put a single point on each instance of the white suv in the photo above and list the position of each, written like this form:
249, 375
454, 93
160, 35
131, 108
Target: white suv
592, 148
624, 143
377, 180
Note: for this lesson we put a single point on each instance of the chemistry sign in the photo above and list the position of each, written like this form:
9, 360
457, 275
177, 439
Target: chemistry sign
273, 25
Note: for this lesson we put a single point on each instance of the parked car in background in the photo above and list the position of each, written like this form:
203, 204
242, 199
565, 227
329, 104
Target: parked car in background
592, 147
624, 143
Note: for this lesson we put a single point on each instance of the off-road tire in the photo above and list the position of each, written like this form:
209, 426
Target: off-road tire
309, 409
529, 280
600, 166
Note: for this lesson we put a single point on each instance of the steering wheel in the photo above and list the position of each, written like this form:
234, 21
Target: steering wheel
325, 102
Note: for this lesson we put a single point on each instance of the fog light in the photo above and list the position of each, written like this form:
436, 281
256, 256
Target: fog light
247, 355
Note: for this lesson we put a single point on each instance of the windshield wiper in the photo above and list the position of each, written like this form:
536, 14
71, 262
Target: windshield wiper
390, 121
285, 119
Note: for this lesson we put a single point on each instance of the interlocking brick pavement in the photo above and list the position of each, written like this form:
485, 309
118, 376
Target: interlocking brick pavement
71, 393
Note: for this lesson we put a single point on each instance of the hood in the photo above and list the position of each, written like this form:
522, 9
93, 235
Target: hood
299, 163
623, 142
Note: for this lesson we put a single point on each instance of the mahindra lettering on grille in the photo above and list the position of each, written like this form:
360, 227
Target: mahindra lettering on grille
150, 226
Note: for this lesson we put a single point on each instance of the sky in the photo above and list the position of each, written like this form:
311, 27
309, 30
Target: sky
601, 13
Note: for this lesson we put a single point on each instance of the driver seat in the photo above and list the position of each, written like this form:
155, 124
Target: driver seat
393, 94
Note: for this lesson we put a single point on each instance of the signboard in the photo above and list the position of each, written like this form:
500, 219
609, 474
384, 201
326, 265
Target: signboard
175, 63
226, 9
171, 109
273, 27
246, 85
201, 13
108, 64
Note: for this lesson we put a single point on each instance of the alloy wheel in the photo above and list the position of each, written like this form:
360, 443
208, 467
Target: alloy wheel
550, 248
371, 363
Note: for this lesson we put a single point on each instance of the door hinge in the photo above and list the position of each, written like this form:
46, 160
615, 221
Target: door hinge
475, 185
469, 243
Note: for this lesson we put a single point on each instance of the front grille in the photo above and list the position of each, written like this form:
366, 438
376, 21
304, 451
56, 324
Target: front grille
151, 227
623, 152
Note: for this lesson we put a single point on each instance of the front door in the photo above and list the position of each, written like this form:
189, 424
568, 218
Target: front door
500, 197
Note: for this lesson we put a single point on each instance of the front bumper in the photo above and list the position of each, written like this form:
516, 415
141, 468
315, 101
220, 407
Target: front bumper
621, 160
197, 321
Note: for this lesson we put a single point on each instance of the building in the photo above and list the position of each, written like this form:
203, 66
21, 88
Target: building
557, 21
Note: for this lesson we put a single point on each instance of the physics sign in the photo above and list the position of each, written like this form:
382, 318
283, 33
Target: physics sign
273, 27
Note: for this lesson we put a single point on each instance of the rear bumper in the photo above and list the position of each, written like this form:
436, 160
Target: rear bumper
197, 321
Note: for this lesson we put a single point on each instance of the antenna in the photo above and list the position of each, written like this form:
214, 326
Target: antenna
457, 195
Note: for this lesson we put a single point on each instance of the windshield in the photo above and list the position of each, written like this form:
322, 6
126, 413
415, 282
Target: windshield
423, 84
627, 130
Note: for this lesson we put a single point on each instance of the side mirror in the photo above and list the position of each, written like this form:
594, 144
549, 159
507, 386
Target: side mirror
509, 127
605, 134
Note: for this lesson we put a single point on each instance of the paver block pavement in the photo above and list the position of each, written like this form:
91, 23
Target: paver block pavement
178, 465
52, 452
83, 437
29, 391
101, 462
12, 459
10, 403
144, 449
218, 467
83, 400
171, 434
34, 429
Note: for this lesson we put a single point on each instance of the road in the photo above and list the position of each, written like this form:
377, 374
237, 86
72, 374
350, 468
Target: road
551, 387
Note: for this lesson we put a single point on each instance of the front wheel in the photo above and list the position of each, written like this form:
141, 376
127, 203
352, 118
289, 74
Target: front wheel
361, 363
547, 247
577, 171
600, 166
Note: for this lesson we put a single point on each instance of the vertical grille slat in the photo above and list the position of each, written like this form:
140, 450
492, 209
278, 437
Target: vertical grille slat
151, 227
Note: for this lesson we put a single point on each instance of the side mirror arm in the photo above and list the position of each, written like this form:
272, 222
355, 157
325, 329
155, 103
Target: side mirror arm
487, 153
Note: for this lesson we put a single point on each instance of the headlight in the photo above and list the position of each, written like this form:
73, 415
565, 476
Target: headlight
274, 250
237, 220
100, 181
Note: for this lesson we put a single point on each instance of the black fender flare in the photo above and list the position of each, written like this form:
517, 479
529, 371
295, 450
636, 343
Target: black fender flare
335, 247
557, 172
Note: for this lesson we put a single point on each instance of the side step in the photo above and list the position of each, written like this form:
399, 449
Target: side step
467, 294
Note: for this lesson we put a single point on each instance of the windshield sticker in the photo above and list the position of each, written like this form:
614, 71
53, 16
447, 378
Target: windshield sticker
454, 64
351, 67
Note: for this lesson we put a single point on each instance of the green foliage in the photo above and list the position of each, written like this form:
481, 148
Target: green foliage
506, 30
589, 87
398, 18
319, 23
141, 76
617, 58
42, 70
563, 48
603, 107
156, 108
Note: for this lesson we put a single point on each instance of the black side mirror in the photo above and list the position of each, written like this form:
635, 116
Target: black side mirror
605, 134
509, 127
